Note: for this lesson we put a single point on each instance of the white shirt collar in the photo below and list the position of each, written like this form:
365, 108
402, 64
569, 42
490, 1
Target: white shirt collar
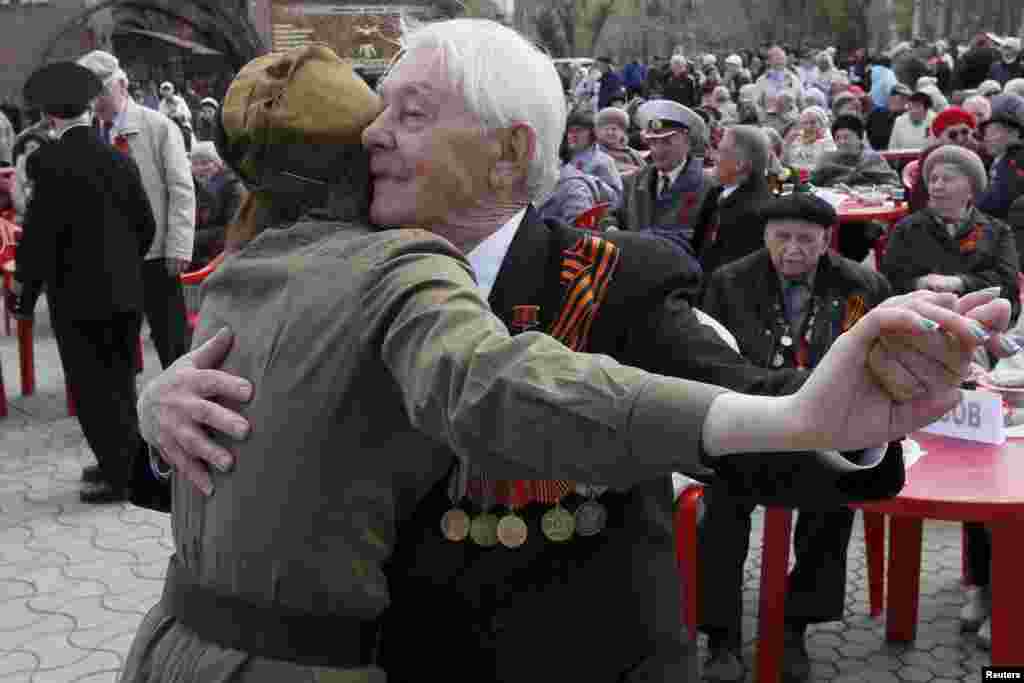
486, 257
673, 175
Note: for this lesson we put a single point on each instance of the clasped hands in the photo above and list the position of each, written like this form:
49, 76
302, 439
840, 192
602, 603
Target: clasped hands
898, 369
941, 283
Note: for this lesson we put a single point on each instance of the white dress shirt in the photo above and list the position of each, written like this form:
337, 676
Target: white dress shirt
486, 257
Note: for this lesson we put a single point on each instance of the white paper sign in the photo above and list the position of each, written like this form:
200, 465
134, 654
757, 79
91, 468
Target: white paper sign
978, 417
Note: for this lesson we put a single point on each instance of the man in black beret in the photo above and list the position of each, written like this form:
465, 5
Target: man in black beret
87, 228
786, 304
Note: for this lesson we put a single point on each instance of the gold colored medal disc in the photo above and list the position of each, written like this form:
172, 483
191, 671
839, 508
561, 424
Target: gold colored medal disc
455, 525
558, 524
484, 530
512, 531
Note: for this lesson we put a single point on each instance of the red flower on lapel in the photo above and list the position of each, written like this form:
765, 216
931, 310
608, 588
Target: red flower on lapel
689, 203
121, 145
969, 242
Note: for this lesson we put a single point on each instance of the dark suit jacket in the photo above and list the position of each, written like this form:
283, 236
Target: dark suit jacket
590, 608
740, 230
87, 228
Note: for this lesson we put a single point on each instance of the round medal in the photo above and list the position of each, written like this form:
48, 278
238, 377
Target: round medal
558, 524
591, 518
777, 361
484, 530
786, 340
512, 531
455, 525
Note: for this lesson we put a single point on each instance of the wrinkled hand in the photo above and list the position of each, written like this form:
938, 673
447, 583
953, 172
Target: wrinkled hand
914, 372
176, 266
180, 400
942, 283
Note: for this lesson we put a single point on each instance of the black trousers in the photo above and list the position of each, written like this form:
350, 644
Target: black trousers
99, 363
817, 584
164, 306
979, 553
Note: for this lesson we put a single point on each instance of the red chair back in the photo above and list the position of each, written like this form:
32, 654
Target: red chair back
190, 283
591, 218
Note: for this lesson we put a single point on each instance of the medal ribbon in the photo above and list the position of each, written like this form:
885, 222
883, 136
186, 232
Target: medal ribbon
587, 269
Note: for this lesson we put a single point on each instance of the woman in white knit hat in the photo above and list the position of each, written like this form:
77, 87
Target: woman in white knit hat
612, 126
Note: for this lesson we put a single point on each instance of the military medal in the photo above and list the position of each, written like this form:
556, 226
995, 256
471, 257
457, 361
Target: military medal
557, 524
484, 527
484, 530
786, 340
512, 530
777, 360
455, 525
591, 517
525, 317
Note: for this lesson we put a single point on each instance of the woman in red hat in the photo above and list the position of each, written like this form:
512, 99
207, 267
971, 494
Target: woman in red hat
952, 126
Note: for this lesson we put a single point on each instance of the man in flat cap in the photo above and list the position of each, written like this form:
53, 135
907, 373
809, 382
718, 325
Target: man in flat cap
1003, 134
158, 147
664, 198
467, 165
786, 304
87, 228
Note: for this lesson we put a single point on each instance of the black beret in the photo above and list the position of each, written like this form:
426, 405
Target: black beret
801, 206
849, 123
62, 89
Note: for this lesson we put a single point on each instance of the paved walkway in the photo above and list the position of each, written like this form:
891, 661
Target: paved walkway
75, 579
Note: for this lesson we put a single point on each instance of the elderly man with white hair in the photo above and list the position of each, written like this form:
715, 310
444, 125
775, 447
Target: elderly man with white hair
1010, 65
466, 143
158, 148
775, 81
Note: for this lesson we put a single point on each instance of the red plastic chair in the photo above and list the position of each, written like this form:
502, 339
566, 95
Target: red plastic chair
591, 218
191, 283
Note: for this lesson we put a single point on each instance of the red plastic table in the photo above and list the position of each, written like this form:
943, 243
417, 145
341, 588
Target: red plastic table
960, 481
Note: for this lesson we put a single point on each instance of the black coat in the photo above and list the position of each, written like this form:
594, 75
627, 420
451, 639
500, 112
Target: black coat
87, 228
745, 295
682, 89
919, 245
593, 607
740, 230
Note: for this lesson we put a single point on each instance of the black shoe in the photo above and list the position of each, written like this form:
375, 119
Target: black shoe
724, 665
103, 493
91, 474
796, 663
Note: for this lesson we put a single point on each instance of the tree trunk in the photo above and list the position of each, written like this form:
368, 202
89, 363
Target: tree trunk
917, 19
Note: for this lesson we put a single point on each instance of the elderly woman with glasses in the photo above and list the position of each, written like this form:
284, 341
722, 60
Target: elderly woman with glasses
954, 126
951, 246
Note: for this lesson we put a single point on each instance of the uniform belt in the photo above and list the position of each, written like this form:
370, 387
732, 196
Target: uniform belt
272, 632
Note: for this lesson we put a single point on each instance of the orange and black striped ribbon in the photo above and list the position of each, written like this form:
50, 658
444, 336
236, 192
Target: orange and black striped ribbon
587, 269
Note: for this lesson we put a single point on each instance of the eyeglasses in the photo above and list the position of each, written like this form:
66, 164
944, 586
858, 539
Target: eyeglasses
955, 134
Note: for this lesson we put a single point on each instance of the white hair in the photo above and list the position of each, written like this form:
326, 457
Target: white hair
1014, 86
677, 59
205, 150
504, 79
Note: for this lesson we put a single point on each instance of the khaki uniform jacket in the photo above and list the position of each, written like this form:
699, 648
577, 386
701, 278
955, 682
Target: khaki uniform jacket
373, 358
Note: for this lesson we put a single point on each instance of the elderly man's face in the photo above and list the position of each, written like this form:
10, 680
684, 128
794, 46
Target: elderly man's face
731, 165
679, 68
110, 101
611, 135
204, 169
917, 111
848, 142
668, 152
998, 137
430, 159
776, 59
795, 246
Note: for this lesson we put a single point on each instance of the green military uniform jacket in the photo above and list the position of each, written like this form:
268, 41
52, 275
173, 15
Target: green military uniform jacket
373, 358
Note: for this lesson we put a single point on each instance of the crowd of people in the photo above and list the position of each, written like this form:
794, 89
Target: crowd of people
367, 443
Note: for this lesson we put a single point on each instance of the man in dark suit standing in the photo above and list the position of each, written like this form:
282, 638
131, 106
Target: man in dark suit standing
730, 226
86, 230
786, 304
